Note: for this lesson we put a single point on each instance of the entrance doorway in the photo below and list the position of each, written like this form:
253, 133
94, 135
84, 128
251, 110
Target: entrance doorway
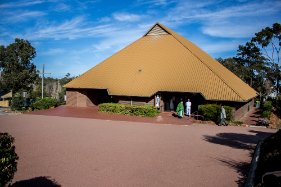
171, 100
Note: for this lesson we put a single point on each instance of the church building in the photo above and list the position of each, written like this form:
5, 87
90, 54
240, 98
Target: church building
160, 65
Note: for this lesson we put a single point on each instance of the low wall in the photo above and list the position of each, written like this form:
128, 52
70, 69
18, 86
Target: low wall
243, 109
138, 101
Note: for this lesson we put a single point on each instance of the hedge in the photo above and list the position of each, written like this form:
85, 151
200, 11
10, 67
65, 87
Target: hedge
146, 111
44, 103
211, 112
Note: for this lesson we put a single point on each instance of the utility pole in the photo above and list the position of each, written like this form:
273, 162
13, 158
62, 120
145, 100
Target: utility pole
43, 73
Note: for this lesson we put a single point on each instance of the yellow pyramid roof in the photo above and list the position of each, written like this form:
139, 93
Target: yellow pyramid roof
162, 60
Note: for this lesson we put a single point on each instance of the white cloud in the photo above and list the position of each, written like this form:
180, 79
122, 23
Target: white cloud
62, 7
126, 17
252, 9
21, 4
17, 16
231, 30
118, 39
239, 20
72, 29
53, 51
219, 47
104, 19
155, 2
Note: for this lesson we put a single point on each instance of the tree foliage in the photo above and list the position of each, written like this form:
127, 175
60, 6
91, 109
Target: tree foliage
269, 41
17, 70
233, 65
258, 61
8, 158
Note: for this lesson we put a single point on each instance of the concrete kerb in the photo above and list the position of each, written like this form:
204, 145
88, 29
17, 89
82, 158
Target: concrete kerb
254, 163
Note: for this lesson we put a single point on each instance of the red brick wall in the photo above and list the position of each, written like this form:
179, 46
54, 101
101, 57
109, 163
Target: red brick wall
85, 97
77, 98
240, 112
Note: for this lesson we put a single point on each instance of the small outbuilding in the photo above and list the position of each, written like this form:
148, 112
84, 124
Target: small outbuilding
5, 99
161, 63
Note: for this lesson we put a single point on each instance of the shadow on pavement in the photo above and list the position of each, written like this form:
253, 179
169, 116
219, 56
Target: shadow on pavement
242, 168
238, 141
37, 181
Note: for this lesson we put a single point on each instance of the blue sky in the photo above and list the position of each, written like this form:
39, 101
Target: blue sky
73, 36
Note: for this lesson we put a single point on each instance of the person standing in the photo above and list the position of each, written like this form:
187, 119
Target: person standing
188, 107
157, 102
222, 117
180, 109
172, 103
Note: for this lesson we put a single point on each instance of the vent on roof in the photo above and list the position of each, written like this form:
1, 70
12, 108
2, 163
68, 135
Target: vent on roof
156, 30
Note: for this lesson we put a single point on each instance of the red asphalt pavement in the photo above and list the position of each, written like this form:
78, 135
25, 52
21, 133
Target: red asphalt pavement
67, 151
92, 112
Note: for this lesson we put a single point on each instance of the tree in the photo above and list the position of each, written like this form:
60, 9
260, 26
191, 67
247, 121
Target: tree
233, 65
269, 41
17, 71
253, 65
66, 79
258, 61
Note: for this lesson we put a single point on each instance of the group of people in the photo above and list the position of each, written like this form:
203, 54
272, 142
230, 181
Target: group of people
180, 108
180, 112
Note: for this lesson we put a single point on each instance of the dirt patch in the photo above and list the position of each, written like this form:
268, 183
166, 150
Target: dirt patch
275, 121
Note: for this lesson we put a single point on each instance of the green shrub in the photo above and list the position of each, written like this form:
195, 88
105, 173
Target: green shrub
266, 109
17, 103
229, 113
44, 103
148, 111
266, 114
267, 105
8, 159
211, 112
237, 122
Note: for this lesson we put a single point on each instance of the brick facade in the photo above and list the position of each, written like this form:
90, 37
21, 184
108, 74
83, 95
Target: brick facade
77, 98
240, 112
85, 97
93, 97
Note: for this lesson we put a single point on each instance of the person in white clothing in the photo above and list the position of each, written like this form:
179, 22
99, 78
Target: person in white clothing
157, 102
188, 107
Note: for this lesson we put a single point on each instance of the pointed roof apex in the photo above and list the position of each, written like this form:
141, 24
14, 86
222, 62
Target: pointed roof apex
157, 29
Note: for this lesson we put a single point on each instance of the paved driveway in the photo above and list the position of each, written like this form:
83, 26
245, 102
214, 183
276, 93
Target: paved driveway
1, 111
67, 151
